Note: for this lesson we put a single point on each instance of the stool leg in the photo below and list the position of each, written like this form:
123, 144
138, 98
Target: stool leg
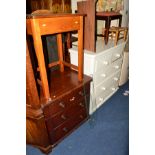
116, 37
125, 34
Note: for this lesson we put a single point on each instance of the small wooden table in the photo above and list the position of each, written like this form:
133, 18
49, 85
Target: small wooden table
108, 16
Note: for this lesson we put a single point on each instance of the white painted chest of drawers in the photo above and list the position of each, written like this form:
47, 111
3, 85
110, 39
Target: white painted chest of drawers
104, 67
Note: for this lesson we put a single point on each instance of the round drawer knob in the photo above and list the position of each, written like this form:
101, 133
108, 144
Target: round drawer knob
113, 89
103, 75
100, 99
116, 67
76, 22
115, 78
103, 88
105, 62
117, 55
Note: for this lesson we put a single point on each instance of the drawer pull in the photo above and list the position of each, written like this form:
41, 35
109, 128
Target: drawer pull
103, 75
81, 116
81, 104
65, 129
63, 117
72, 99
115, 78
117, 55
103, 88
43, 25
61, 105
100, 99
113, 89
81, 93
76, 22
105, 62
116, 67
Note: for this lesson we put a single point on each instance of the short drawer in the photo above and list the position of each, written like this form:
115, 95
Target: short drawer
62, 117
117, 52
102, 62
65, 128
116, 66
111, 81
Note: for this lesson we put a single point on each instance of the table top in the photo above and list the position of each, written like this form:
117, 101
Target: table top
52, 15
108, 13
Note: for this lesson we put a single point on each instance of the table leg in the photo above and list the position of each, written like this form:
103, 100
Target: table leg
120, 21
107, 26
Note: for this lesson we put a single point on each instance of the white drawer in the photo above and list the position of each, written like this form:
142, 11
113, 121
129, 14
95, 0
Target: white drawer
102, 97
117, 53
102, 61
108, 84
100, 76
117, 65
104, 73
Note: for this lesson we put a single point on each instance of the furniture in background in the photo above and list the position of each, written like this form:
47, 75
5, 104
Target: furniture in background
57, 101
117, 33
104, 67
88, 7
108, 16
52, 6
55, 6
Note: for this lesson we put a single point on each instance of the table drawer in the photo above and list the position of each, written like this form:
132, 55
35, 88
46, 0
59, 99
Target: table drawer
62, 117
68, 100
67, 127
59, 24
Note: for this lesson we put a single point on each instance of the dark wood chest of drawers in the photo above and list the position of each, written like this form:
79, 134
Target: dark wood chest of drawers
69, 107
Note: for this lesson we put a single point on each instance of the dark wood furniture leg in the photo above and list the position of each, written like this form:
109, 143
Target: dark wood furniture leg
107, 26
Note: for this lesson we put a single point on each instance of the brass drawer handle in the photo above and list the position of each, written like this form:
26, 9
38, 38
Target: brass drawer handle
72, 99
63, 117
61, 105
81, 93
65, 129
81, 104
81, 116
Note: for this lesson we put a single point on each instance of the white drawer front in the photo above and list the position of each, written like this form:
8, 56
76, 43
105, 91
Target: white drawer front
117, 52
100, 98
102, 61
108, 84
116, 66
104, 73
100, 76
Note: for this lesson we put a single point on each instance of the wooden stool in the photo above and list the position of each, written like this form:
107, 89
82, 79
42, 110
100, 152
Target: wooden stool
117, 33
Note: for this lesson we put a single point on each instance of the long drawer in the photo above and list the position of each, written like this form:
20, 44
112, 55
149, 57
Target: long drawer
56, 120
68, 100
60, 132
110, 83
105, 73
